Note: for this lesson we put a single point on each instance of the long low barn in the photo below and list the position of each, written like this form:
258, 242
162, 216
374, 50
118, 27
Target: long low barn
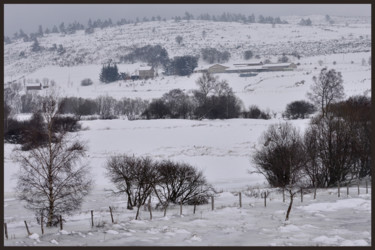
247, 68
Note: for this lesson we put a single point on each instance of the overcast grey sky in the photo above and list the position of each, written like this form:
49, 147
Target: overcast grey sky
29, 16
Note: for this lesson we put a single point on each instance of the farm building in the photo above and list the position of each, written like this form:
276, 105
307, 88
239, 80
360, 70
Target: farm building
244, 68
279, 66
34, 86
256, 63
146, 72
217, 68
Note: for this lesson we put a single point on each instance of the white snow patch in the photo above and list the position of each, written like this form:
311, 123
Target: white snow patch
54, 242
289, 228
328, 240
34, 236
111, 232
359, 204
354, 243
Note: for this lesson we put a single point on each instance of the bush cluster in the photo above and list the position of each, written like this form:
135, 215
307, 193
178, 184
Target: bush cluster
299, 110
255, 113
212, 55
171, 182
86, 82
33, 133
335, 148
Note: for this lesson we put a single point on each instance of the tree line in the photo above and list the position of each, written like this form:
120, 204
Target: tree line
89, 28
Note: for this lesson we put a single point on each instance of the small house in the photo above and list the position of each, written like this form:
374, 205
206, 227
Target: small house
217, 68
146, 72
279, 66
34, 86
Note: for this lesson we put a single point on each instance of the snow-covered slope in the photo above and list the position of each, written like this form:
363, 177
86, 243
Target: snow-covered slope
262, 39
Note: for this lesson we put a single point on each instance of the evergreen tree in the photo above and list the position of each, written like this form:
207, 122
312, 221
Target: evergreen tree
35, 47
40, 30
7, 40
109, 73
62, 27
55, 29
182, 65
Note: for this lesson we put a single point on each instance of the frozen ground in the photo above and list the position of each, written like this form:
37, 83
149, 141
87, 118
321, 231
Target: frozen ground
326, 221
222, 149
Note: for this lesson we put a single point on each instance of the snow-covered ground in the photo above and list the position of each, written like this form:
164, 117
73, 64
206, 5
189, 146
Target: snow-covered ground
222, 149
326, 221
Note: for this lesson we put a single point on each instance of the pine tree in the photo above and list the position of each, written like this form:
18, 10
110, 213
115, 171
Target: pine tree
109, 73
35, 47
40, 30
55, 29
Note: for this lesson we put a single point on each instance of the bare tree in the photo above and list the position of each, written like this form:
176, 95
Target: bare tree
52, 178
281, 159
206, 83
145, 177
181, 183
314, 169
106, 106
134, 176
327, 89
120, 170
335, 142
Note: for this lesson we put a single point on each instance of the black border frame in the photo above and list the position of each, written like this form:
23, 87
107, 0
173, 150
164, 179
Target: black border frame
174, 2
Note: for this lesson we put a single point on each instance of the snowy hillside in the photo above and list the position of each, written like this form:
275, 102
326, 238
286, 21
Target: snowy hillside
262, 39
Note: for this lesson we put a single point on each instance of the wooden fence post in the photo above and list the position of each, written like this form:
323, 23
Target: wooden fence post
27, 228
110, 210
240, 197
314, 193
358, 187
149, 207
195, 206
92, 218
61, 223
165, 210
212, 203
180, 207
283, 194
301, 195
6, 230
265, 199
338, 190
41, 223
347, 190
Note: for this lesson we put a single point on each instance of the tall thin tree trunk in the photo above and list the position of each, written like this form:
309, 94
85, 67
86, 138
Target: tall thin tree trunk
290, 205
50, 177
129, 205
138, 208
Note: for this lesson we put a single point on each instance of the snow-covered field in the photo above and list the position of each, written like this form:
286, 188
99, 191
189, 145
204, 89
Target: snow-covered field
222, 149
326, 221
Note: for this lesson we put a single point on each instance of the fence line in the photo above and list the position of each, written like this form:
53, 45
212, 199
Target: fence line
266, 194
